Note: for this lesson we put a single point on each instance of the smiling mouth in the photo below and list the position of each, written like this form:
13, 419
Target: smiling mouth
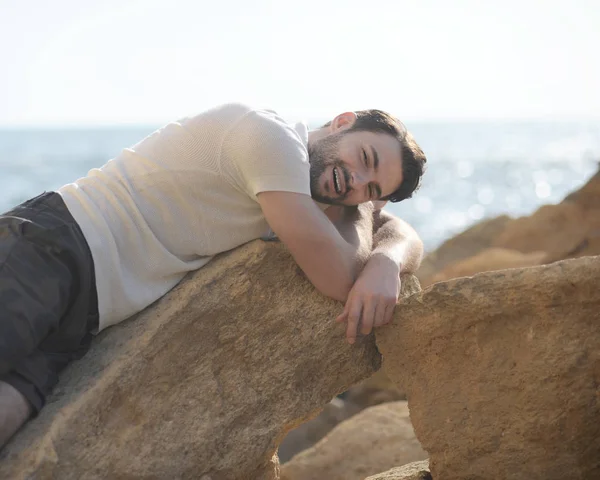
336, 181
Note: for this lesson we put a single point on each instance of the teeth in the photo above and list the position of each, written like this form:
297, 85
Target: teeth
338, 188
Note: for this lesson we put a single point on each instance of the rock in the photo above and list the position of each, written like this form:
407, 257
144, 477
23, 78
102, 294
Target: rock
468, 243
488, 260
587, 196
374, 440
555, 229
412, 471
203, 384
374, 390
309, 433
502, 372
570, 229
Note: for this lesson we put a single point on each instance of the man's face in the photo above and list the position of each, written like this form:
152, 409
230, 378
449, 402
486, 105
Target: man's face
353, 167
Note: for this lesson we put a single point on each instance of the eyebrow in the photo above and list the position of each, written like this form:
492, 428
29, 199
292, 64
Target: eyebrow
376, 166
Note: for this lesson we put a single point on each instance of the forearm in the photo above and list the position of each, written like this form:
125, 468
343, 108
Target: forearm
397, 241
396, 249
374, 233
330, 261
356, 226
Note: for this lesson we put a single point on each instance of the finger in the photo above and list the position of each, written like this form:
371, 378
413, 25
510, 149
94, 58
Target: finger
368, 317
380, 313
354, 314
389, 313
342, 317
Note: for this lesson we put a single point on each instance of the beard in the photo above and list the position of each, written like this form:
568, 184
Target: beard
323, 154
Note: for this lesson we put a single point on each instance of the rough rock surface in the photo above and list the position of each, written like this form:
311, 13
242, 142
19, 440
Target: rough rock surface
412, 471
373, 391
570, 229
468, 243
203, 384
488, 260
309, 433
374, 440
502, 372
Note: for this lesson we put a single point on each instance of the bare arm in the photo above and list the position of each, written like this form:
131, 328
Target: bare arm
377, 234
356, 225
396, 240
396, 249
329, 261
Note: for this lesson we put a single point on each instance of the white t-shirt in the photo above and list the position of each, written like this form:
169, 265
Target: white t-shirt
183, 194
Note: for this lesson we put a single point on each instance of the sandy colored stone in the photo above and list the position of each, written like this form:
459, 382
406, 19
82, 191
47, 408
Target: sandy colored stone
203, 384
412, 471
502, 372
372, 441
488, 260
588, 195
376, 389
464, 245
568, 230
309, 433
555, 229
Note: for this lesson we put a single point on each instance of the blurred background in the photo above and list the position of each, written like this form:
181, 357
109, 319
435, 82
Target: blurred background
502, 96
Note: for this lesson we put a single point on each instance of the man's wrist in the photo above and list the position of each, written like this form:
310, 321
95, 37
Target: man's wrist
381, 260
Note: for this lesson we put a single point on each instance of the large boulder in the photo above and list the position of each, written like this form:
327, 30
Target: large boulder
464, 245
309, 433
374, 440
569, 229
502, 372
374, 390
412, 471
488, 260
204, 384
555, 229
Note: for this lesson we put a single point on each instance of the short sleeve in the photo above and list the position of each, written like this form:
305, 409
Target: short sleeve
267, 154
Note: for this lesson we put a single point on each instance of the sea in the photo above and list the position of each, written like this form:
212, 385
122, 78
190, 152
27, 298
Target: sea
475, 170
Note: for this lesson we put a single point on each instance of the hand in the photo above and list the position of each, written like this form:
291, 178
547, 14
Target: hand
372, 299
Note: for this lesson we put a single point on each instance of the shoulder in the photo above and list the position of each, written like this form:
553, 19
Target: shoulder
224, 115
237, 115
265, 134
267, 125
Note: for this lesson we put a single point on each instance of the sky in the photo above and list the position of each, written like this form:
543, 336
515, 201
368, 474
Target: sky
84, 62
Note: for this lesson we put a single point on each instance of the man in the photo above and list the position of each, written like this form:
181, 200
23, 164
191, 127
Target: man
76, 261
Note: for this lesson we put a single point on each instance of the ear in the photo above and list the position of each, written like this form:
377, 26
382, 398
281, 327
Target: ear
343, 121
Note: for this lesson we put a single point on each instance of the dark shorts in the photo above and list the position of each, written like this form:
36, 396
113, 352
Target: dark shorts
48, 303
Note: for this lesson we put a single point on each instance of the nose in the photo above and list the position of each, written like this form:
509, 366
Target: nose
359, 180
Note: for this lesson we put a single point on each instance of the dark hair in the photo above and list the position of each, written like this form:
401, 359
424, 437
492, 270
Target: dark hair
413, 158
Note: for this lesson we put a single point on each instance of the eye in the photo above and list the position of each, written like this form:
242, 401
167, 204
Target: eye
365, 159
